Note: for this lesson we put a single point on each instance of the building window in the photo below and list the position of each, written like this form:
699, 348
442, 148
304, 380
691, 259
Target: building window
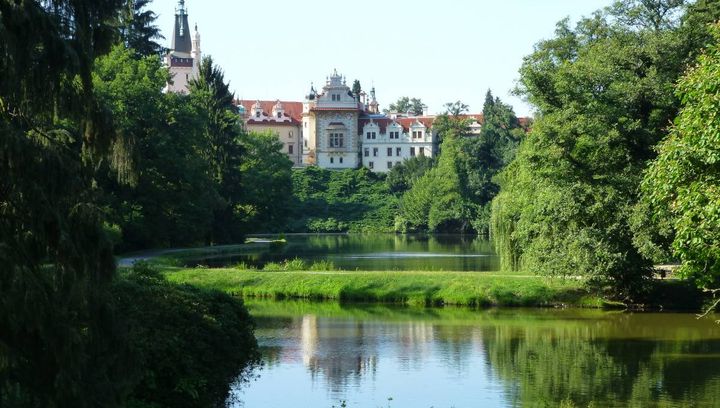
373, 135
412, 152
290, 149
279, 115
389, 165
368, 136
290, 134
422, 151
395, 135
332, 160
335, 97
367, 152
257, 114
336, 140
398, 151
305, 142
341, 159
371, 165
389, 150
375, 151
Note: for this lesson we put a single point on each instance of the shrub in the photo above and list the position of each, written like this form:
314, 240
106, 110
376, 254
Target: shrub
189, 344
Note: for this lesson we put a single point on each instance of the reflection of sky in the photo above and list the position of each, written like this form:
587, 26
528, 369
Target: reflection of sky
419, 364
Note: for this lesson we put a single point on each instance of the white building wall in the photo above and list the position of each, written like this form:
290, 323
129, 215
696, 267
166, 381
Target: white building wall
333, 157
181, 77
383, 153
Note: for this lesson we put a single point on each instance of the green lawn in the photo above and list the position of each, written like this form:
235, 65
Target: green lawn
413, 288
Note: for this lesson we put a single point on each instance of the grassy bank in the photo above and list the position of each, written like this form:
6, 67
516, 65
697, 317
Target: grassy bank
411, 288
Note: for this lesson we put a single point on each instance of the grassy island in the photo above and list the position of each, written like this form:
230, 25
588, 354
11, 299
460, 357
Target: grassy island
474, 289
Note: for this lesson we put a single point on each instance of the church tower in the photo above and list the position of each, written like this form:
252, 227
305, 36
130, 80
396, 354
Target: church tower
183, 57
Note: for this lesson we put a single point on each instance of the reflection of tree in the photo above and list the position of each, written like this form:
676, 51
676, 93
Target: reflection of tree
582, 364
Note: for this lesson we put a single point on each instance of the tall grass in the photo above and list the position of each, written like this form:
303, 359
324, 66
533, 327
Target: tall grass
295, 264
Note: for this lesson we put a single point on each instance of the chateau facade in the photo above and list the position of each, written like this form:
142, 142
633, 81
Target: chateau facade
184, 56
282, 118
344, 131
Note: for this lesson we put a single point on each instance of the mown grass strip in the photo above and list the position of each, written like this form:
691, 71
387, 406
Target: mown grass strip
474, 289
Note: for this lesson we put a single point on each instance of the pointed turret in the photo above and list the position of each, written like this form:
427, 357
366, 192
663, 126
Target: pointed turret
181, 41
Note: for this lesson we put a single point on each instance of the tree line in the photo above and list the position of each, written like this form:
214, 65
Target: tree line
95, 157
618, 172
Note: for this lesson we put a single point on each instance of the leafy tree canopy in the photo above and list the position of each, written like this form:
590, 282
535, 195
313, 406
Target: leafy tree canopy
414, 106
604, 96
682, 186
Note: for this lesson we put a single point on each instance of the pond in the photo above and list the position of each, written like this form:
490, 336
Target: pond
368, 252
317, 355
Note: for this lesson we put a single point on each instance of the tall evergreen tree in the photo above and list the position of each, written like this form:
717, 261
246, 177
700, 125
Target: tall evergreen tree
223, 148
356, 89
138, 29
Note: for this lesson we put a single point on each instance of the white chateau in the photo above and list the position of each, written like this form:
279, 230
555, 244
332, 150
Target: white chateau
344, 131
184, 56
332, 129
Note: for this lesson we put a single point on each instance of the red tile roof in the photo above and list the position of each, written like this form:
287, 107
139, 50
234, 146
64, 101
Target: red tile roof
292, 109
381, 122
406, 123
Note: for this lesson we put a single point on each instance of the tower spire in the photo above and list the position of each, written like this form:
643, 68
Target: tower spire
181, 41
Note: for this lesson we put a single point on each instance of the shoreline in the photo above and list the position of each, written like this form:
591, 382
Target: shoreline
411, 288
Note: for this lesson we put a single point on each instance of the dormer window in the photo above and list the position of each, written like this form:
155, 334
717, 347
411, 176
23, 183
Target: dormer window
335, 97
279, 115
257, 114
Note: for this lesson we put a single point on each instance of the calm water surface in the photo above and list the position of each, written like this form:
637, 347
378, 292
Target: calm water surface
371, 252
316, 355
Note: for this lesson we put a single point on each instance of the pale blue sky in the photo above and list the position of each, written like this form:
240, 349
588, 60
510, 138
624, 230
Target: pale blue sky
439, 51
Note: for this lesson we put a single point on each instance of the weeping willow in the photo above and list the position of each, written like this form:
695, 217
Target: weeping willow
56, 331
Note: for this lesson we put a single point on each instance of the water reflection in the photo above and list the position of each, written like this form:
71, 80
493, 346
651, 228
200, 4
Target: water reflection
370, 252
322, 353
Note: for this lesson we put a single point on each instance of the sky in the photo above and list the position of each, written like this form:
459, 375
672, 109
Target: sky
438, 51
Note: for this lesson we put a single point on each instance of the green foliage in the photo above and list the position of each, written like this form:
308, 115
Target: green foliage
138, 30
73, 127
340, 201
402, 176
682, 186
456, 108
455, 195
356, 89
56, 326
266, 182
167, 196
405, 104
476, 289
223, 150
295, 264
604, 95
191, 344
